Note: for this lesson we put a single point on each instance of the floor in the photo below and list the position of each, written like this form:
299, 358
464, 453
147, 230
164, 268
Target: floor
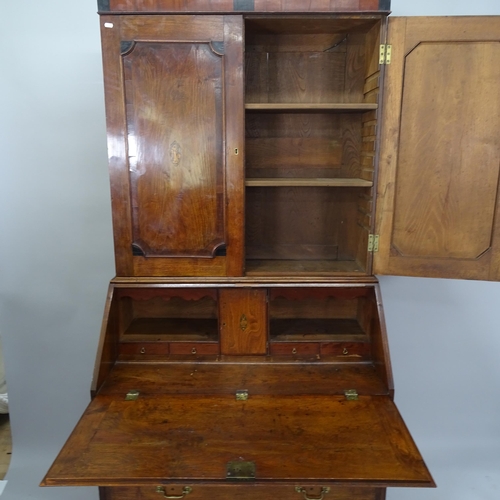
5, 445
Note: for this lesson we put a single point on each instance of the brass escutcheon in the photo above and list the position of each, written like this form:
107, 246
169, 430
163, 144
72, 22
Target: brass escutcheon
243, 323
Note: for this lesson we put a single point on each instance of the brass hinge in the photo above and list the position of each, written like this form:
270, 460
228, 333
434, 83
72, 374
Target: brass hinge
385, 54
351, 394
373, 240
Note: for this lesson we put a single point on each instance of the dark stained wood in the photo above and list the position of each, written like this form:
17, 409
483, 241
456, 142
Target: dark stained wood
353, 351
303, 267
188, 294
379, 342
260, 6
247, 492
194, 348
294, 348
243, 282
179, 266
138, 349
317, 294
158, 438
258, 374
183, 328
243, 321
175, 156
300, 223
329, 182
438, 210
185, 197
235, 144
314, 329
117, 153
107, 349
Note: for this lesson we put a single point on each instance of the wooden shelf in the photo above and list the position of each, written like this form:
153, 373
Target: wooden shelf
314, 330
172, 329
310, 107
304, 182
301, 267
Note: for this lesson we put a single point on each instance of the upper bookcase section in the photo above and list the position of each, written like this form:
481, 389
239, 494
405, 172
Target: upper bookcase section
244, 6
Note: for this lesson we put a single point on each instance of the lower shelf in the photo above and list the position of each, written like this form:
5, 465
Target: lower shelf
303, 267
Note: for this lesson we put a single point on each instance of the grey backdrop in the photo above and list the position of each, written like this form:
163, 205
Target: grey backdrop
56, 261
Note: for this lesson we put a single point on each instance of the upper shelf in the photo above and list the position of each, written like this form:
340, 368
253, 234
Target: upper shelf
308, 107
306, 182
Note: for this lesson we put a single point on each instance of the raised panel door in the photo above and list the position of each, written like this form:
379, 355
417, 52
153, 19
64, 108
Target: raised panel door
174, 180
438, 211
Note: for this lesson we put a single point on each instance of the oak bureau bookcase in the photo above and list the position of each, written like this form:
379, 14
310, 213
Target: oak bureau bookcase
267, 159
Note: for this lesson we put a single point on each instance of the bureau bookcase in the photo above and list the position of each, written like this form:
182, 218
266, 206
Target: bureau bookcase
267, 159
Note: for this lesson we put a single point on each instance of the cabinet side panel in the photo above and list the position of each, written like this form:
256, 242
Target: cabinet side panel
438, 211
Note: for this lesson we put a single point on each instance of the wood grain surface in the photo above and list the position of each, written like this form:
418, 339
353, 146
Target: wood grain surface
438, 213
243, 321
247, 492
158, 438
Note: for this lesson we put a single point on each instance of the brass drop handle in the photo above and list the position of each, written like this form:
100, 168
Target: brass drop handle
324, 491
185, 491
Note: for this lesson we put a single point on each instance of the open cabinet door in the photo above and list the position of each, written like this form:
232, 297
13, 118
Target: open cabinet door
438, 213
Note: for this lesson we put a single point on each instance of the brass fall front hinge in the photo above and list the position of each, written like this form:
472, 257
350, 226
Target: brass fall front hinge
385, 54
351, 394
373, 240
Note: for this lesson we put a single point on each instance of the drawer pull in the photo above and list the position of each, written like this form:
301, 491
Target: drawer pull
185, 491
324, 491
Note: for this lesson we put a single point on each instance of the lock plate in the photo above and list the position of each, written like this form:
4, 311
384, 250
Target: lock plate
240, 471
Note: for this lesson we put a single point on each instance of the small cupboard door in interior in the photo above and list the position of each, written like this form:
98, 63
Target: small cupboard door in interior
438, 213
176, 158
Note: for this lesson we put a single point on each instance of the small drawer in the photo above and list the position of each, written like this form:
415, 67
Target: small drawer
294, 348
194, 348
144, 348
354, 350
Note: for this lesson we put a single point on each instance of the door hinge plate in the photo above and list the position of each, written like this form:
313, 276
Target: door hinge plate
373, 241
240, 471
385, 54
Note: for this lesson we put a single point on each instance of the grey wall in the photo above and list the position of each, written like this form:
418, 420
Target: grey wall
56, 261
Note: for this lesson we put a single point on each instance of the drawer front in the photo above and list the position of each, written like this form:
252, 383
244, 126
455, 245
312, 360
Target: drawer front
242, 492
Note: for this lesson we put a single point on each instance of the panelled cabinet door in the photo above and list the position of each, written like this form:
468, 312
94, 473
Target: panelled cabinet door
438, 213
174, 103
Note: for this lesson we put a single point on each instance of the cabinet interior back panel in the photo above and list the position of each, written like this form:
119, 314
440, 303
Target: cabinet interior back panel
303, 145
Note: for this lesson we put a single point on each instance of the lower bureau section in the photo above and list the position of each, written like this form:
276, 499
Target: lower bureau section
242, 492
